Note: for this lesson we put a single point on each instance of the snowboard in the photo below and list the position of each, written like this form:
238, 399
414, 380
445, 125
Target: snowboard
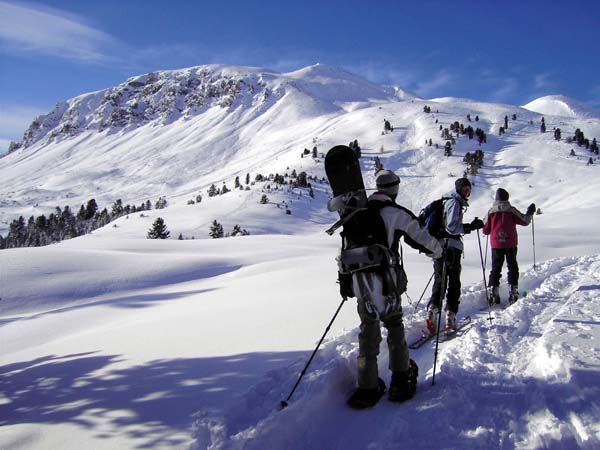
343, 172
444, 335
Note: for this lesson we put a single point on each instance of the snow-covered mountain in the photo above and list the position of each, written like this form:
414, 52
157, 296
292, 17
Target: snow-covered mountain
174, 133
164, 97
112, 340
561, 105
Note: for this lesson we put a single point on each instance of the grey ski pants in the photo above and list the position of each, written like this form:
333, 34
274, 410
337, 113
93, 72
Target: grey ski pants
369, 339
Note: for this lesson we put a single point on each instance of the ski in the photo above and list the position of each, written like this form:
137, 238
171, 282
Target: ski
445, 335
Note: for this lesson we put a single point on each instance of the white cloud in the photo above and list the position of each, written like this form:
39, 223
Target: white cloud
433, 86
380, 73
505, 89
543, 81
37, 29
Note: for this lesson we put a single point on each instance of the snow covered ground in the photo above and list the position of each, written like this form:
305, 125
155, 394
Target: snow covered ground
113, 341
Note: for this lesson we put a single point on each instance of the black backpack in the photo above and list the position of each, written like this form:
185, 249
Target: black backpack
432, 218
365, 249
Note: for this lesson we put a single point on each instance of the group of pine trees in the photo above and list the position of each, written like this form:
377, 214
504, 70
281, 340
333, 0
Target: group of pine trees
355, 148
64, 224
578, 138
216, 231
159, 230
474, 161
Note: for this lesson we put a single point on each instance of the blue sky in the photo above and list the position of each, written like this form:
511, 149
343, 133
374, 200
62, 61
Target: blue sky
499, 51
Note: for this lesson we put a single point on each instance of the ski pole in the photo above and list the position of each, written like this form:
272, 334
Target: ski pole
533, 236
424, 290
487, 297
284, 403
439, 324
487, 241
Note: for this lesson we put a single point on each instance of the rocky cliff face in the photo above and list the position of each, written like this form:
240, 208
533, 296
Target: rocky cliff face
166, 96
159, 96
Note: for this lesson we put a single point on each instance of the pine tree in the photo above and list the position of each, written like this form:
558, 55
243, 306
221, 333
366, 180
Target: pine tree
237, 182
557, 134
216, 230
161, 203
117, 209
212, 190
158, 230
302, 179
448, 149
90, 209
248, 178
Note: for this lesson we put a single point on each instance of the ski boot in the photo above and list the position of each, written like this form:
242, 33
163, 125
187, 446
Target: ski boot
513, 296
404, 384
432, 319
450, 322
494, 297
367, 398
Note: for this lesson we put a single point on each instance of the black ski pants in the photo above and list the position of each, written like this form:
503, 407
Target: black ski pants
498, 257
453, 269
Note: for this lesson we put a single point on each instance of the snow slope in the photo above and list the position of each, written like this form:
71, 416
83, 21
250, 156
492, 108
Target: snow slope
560, 105
114, 341
528, 381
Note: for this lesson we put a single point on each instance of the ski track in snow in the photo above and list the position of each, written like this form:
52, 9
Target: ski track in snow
523, 383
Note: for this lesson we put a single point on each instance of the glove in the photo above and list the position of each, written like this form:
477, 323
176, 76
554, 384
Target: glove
531, 210
475, 224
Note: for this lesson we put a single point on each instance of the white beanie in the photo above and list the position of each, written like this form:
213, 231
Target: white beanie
387, 182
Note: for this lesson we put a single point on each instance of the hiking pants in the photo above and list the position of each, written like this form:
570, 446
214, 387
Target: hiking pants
369, 339
498, 256
453, 269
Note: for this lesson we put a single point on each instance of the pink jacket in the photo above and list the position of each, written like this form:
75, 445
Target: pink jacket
501, 224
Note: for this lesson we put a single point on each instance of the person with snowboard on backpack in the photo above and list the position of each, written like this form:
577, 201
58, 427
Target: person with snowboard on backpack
455, 204
501, 225
378, 292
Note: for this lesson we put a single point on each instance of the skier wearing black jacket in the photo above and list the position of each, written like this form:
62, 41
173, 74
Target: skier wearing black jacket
378, 296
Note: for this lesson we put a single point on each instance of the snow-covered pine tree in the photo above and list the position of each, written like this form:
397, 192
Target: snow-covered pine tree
216, 230
158, 230
557, 134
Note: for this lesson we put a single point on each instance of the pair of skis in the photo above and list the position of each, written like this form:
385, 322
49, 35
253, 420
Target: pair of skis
445, 335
